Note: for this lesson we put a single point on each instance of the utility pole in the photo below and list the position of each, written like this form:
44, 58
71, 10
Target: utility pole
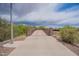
11, 22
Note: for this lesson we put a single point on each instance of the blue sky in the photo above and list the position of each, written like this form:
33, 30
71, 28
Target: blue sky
42, 14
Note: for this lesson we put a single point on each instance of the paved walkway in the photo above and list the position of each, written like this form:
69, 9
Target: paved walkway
39, 44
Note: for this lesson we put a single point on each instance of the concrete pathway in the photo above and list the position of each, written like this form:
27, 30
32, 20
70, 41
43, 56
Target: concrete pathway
39, 44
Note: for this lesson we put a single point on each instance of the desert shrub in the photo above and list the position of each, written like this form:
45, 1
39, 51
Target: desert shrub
30, 30
41, 27
19, 30
69, 34
5, 32
22, 29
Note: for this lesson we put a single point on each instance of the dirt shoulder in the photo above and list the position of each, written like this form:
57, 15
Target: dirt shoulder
20, 38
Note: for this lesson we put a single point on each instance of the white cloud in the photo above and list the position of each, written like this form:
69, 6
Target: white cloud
48, 13
45, 12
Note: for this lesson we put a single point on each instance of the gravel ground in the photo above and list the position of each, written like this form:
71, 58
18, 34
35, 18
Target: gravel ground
4, 51
73, 48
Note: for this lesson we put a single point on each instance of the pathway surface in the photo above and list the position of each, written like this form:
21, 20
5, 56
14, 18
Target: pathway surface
39, 44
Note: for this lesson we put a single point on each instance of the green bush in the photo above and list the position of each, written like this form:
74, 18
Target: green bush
69, 34
5, 32
19, 30
42, 27
30, 30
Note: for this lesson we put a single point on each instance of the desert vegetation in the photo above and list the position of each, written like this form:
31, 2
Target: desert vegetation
69, 34
18, 29
5, 33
